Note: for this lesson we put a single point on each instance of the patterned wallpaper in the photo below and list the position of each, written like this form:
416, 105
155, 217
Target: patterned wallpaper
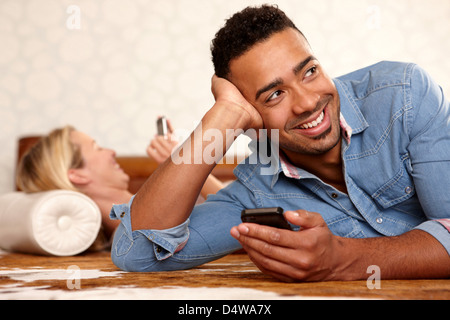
110, 67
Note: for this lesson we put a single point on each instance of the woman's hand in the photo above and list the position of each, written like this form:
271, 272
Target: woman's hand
160, 148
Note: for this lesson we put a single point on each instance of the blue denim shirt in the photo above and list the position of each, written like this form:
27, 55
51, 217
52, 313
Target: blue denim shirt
397, 169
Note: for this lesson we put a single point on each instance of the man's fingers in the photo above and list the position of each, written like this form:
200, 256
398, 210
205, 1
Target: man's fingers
305, 219
271, 235
267, 243
284, 254
269, 266
280, 237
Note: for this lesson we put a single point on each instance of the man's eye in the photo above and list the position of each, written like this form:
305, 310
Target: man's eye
274, 95
311, 71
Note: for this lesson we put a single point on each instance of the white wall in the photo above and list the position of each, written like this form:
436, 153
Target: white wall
128, 61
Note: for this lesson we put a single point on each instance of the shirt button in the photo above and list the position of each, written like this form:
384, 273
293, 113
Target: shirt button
379, 220
158, 249
334, 195
408, 189
122, 214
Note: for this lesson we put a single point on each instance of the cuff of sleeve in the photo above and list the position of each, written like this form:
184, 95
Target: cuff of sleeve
169, 241
438, 230
165, 242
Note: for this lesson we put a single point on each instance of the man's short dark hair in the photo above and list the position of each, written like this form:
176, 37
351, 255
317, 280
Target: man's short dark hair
242, 31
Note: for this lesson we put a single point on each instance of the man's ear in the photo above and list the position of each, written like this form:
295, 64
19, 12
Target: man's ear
78, 177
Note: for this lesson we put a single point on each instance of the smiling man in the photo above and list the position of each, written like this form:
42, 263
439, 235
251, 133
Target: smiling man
360, 168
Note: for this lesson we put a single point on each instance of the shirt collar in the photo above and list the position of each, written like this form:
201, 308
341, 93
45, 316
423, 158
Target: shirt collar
346, 130
354, 118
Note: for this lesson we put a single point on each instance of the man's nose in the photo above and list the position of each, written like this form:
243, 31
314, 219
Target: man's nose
305, 101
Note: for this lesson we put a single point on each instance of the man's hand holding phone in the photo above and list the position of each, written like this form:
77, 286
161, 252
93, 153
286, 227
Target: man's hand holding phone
310, 254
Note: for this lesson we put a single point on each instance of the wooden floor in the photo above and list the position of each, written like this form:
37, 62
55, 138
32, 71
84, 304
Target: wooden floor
93, 276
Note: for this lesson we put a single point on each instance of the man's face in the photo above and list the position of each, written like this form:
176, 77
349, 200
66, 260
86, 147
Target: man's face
282, 79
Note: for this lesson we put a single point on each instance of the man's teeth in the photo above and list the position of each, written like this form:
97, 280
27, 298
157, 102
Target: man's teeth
313, 124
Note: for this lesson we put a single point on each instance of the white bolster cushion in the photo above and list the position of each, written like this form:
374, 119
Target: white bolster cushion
58, 222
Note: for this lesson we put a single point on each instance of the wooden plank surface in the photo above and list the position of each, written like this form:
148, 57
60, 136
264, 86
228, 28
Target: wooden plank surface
94, 276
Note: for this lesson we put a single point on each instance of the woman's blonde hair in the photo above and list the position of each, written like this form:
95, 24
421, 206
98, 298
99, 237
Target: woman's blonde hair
45, 166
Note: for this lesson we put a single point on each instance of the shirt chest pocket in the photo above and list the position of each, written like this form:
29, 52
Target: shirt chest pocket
398, 188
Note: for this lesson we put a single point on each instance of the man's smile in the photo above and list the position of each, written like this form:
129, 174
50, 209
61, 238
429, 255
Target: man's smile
314, 123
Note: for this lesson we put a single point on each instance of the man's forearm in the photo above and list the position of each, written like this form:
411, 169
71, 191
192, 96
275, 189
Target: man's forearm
413, 255
169, 195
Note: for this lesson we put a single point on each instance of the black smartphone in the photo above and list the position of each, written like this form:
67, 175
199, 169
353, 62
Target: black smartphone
161, 125
272, 217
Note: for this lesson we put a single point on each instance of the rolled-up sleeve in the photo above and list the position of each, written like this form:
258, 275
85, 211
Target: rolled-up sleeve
439, 229
161, 243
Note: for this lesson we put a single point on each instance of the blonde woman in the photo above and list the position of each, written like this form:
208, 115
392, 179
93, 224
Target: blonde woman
69, 159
